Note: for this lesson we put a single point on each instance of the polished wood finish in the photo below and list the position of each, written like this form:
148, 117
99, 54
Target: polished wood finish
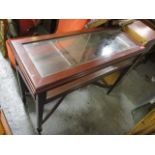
140, 32
2, 131
146, 126
4, 124
41, 84
47, 88
83, 81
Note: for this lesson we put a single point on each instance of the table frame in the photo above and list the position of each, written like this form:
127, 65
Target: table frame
79, 76
40, 98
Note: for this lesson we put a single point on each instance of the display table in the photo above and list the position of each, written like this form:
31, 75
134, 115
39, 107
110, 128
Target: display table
52, 66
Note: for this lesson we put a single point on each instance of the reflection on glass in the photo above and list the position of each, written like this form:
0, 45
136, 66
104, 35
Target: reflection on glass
55, 55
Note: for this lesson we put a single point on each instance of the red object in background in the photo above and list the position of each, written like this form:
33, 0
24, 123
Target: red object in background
64, 25
68, 25
25, 25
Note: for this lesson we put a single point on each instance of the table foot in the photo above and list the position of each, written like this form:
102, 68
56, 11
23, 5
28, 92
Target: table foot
39, 131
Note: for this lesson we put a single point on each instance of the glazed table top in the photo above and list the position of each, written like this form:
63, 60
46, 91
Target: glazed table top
52, 60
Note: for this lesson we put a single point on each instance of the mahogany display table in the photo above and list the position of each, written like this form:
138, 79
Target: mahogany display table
52, 66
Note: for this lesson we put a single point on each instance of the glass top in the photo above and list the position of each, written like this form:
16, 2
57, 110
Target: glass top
55, 55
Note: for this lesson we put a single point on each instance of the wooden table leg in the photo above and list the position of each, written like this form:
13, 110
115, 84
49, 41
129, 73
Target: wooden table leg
40, 101
118, 80
126, 71
22, 87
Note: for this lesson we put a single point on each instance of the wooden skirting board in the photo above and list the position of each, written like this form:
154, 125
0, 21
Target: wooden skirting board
146, 126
